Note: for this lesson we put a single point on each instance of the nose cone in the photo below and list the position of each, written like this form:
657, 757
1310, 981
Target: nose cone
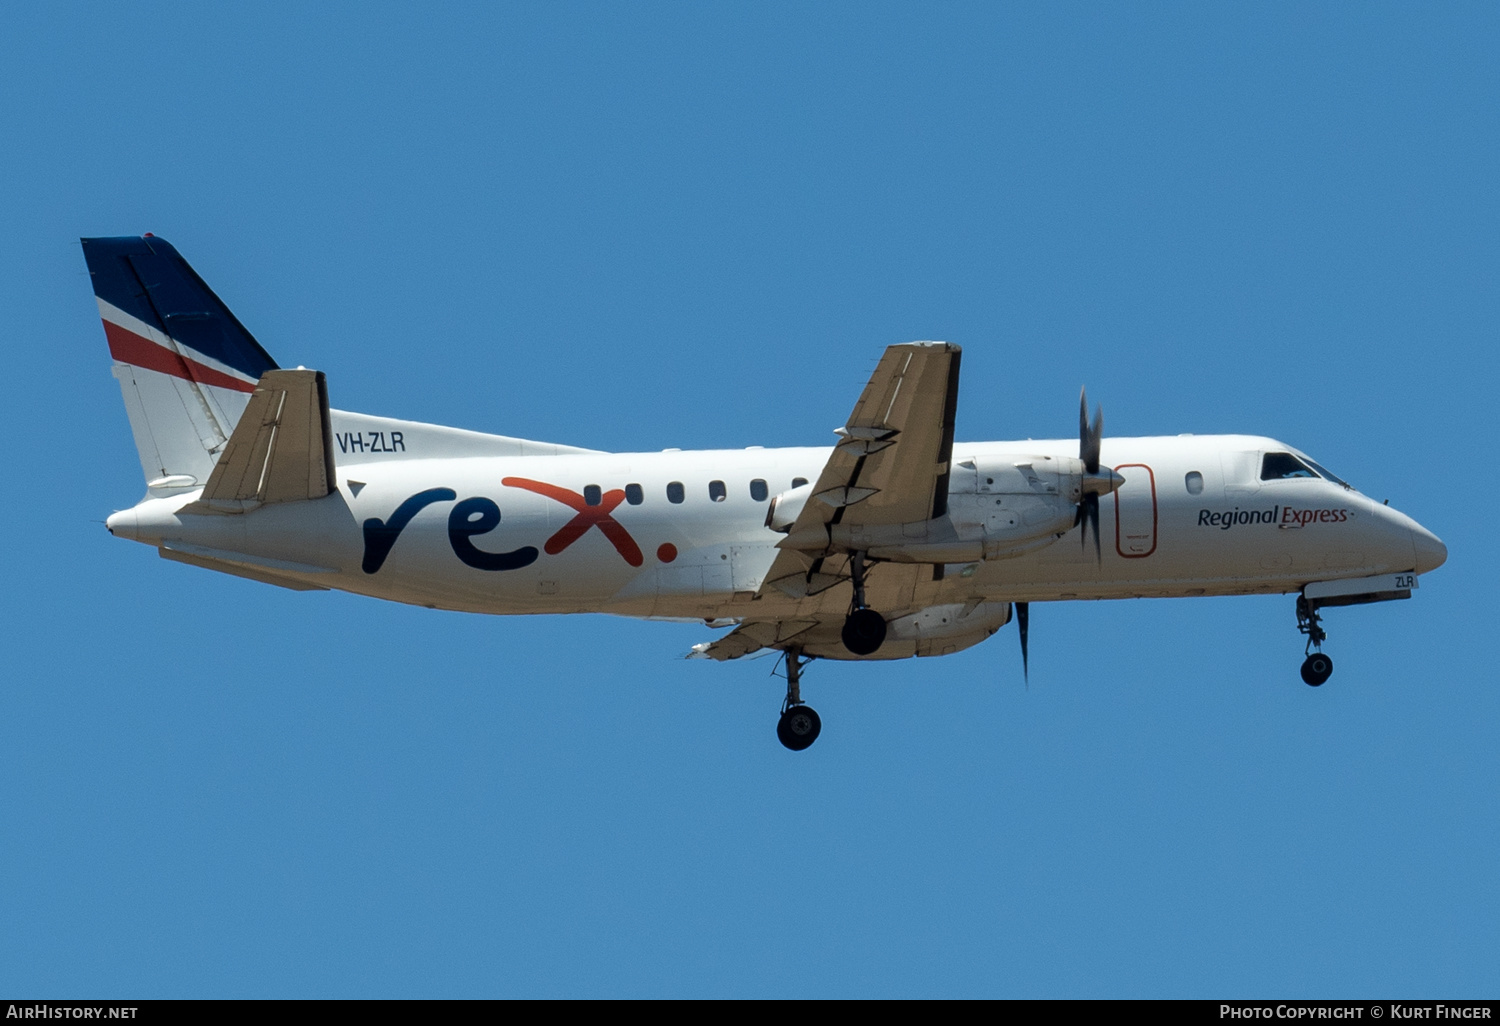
1431, 553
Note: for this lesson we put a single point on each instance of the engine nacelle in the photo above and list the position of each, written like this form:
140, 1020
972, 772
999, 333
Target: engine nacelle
998, 507
1015, 503
786, 507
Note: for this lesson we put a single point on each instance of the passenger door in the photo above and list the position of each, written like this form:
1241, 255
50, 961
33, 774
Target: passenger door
1135, 511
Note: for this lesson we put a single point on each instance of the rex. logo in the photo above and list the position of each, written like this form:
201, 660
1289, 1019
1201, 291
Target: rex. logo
480, 515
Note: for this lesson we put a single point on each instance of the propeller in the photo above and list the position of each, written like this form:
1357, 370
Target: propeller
1090, 438
1097, 481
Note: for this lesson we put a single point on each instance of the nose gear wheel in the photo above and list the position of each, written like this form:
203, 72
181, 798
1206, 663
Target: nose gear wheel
1317, 667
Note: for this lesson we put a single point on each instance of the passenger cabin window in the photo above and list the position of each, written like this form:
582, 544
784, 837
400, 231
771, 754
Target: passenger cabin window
798, 482
675, 492
1194, 483
634, 495
717, 491
591, 495
1279, 466
758, 490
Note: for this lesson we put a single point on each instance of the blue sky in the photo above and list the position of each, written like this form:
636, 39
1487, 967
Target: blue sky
641, 226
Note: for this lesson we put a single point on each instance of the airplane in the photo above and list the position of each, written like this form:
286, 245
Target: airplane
896, 541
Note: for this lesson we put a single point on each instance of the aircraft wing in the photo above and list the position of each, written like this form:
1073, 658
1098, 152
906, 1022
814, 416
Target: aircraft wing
890, 466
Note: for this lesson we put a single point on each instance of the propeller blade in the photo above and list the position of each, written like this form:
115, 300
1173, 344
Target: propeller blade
1092, 502
1089, 436
1023, 620
1083, 424
1096, 439
1088, 516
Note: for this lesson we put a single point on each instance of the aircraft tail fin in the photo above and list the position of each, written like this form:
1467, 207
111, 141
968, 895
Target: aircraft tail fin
186, 365
281, 449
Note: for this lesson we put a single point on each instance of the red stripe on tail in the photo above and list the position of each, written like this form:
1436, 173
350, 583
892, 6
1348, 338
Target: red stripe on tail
128, 347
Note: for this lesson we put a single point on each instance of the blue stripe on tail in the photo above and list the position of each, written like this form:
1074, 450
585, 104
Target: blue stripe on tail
148, 279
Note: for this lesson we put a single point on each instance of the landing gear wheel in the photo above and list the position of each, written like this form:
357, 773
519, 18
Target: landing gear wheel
1317, 669
864, 632
799, 727
864, 629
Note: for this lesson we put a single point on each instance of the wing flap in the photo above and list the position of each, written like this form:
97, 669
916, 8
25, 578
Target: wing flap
752, 637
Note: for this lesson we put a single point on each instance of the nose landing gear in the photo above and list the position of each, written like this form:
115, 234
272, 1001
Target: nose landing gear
799, 725
1317, 667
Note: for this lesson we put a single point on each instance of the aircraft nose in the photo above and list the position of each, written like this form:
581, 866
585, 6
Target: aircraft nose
1431, 553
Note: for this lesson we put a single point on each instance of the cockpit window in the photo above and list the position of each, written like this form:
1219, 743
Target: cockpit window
1280, 465
1325, 473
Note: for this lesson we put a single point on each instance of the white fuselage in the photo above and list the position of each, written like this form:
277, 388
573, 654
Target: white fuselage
894, 542
510, 534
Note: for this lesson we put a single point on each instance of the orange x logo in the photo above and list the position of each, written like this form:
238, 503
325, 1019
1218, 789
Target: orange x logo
588, 516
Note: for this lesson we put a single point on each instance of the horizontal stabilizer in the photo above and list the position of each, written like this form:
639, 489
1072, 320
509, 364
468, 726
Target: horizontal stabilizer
264, 571
280, 451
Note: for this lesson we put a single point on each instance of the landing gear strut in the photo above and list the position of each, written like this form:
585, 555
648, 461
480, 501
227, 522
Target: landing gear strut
799, 726
864, 628
1317, 668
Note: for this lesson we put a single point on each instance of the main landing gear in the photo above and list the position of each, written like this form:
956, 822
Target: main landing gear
1317, 668
864, 628
799, 725
863, 634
